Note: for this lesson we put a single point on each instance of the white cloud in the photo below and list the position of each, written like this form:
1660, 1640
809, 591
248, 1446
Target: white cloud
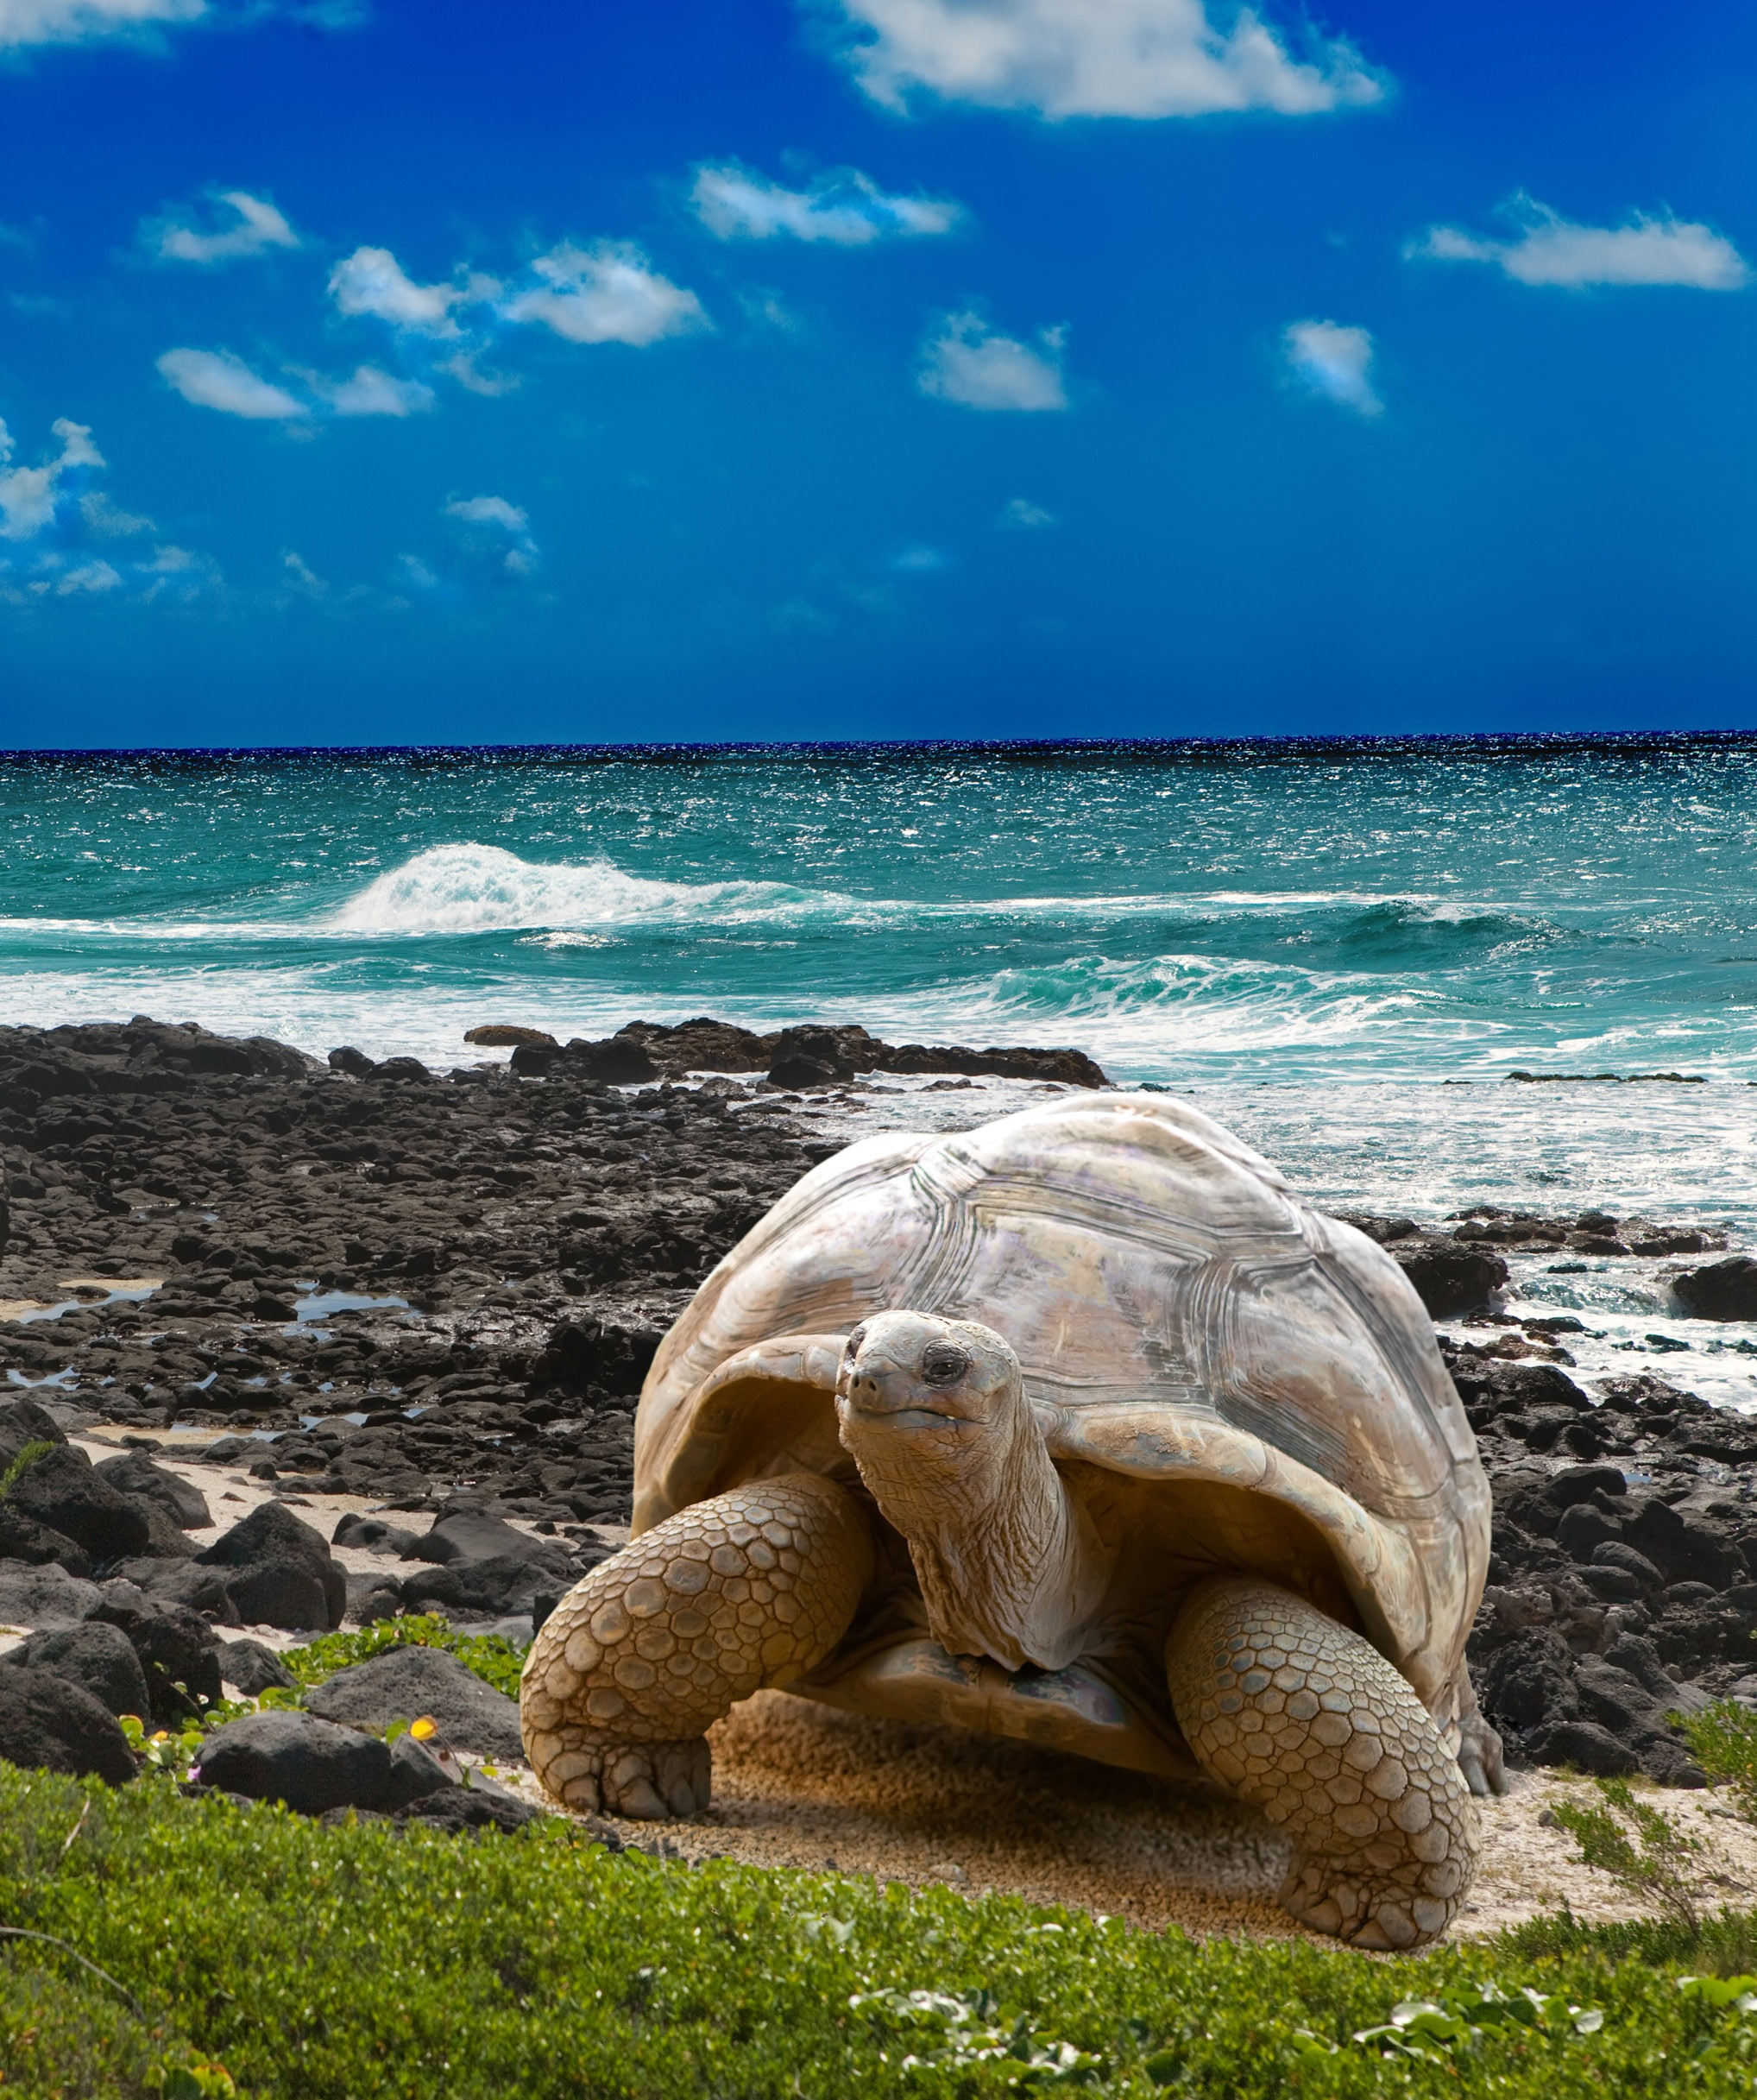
416, 573
371, 280
373, 393
498, 532
89, 578
846, 208
72, 22
1334, 362
102, 516
606, 293
1552, 250
30, 496
24, 22
1095, 58
302, 578
44, 514
260, 227
488, 510
969, 363
174, 572
470, 375
216, 379
1020, 516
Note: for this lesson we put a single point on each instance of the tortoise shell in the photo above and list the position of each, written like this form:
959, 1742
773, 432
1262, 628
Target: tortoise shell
1234, 1377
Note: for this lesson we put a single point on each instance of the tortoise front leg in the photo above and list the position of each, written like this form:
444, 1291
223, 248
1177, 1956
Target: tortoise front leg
1309, 1723
748, 1590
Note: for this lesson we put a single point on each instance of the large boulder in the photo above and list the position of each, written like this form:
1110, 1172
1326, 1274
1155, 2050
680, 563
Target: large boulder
183, 1582
21, 1538
178, 1653
48, 1723
278, 1572
1720, 1290
100, 1658
373, 1597
311, 1764
45, 1596
370, 1534
252, 1668
62, 1491
24, 1422
617, 1060
1450, 1276
408, 1683
491, 1588
134, 1474
474, 1535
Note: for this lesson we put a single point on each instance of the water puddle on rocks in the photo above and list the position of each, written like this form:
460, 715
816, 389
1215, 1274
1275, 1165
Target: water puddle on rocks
316, 1306
106, 1292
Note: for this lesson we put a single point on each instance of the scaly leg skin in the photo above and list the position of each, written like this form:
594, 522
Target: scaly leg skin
747, 1590
1481, 1757
1309, 1723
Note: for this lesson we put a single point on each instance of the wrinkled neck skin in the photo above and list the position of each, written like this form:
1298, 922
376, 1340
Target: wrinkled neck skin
1008, 1562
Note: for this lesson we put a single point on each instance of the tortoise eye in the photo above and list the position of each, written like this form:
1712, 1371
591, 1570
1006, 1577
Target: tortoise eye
852, 1346
943, 1364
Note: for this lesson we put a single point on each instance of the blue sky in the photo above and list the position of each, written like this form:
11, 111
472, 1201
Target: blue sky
740, 368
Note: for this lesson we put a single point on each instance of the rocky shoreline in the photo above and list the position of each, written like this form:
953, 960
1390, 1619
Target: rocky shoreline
440, 1293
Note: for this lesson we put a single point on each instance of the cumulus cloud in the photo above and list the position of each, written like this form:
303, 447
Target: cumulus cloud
1020, 516
496, 532
259, 227
46, 511
606, 293
31, 497
1549, 250
372, 393
846, 208
1095, 58
216, 379
371, 281
967, 363
1333, 362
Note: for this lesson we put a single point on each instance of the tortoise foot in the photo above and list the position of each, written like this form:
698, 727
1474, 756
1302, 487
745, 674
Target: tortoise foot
647, 1782
1308, 1722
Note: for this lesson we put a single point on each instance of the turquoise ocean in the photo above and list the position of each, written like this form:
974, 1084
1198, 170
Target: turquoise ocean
1312, 937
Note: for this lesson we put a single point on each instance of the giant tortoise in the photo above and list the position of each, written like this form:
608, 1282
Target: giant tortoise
1078, 1428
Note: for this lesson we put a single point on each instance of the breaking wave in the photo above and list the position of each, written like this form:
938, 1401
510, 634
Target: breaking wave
484, 889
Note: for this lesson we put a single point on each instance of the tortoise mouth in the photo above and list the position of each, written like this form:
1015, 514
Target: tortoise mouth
906, 1414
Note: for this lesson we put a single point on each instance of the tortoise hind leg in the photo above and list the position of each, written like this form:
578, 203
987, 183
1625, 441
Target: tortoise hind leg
749, 1589
1308, 1722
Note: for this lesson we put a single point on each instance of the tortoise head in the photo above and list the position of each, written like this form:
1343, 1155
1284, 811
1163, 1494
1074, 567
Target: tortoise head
933, 1412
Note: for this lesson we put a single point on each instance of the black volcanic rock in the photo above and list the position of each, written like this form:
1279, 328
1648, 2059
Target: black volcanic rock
49, 1722
1720, 1291
278, 1572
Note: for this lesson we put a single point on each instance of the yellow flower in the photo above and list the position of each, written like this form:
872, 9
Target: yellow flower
424, 1727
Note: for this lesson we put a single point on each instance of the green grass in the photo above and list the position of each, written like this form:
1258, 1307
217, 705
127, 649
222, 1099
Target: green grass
360, 1962
496, 1661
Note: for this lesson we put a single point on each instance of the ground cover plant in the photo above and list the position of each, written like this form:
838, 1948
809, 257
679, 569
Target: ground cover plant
496, 1661
358, 1962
